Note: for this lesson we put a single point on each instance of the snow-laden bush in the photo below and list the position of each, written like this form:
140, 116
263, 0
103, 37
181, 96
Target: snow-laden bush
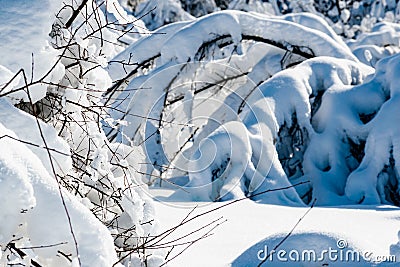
36, 212
230, 105
155, 13
347, 18
78, 184
210, 110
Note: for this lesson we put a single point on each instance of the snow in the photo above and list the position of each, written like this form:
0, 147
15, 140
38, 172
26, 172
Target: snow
379, 143
228, 150
15, 179
193, 35
250, 226
15, 52
236, 23
156, 13
272, 112
114, 7
145, 48
35, 206
21, 124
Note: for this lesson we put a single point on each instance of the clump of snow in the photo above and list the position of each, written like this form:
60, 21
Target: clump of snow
218, 165
193, 35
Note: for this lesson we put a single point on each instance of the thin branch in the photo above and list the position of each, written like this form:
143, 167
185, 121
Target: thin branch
290, 232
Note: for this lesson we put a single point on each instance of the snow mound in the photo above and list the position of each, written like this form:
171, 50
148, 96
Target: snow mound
38, 213
322, 249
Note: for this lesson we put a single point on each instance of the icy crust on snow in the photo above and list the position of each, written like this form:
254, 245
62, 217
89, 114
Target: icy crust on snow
35, 211
27, 130
24, 44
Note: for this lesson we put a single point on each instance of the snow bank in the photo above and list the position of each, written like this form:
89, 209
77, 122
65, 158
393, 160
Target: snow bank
303, 249
37, 212
249, 227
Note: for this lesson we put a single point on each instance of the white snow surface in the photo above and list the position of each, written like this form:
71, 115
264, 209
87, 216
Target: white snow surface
250, 226
24, 44
27, 129
33, 208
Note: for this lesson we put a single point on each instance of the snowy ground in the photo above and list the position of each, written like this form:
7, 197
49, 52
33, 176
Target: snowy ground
249, 227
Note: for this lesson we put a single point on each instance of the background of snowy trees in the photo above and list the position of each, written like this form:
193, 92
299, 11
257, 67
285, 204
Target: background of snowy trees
228, 99
347, 18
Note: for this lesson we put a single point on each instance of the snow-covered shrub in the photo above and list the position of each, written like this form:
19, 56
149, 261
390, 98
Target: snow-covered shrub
36, 212
230, 105
62, 57
309, 122
205, 82
347, 18
382, 41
